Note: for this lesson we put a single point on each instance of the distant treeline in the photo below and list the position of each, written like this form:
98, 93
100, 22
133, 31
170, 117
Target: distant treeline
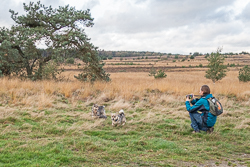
110, 54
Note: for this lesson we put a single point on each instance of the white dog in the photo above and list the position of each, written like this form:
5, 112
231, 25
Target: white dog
118, 118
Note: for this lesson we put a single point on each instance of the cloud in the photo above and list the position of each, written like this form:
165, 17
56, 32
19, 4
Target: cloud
90, 4
245, 15
17, 6
167, 26
170, 26
161, 15
6, 5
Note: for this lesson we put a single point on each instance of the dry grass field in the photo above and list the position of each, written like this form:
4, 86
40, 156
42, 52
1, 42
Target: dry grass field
126, 86
48, 123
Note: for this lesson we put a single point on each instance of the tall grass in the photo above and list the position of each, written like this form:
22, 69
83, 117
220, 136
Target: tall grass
126, 86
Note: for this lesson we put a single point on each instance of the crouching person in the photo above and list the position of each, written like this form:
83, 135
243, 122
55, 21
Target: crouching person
202, 120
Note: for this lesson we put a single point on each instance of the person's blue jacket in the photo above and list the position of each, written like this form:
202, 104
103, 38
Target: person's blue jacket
202, 105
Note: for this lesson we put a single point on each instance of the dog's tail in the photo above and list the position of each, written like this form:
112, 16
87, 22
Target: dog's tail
121, 112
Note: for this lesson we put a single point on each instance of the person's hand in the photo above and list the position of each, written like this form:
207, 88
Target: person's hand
192, 97
187, 98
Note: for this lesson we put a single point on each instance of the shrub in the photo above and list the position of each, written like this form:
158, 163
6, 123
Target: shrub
160, 74
70, 60
196, 54
232, 65
216, 70
152, 71
244, 74
51, 70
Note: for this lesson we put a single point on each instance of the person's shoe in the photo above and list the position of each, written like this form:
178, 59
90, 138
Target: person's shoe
210, 130
196, 131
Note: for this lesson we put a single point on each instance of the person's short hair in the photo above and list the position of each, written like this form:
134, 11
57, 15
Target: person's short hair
205, 89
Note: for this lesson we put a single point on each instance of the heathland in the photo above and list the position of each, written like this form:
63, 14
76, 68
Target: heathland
49, 123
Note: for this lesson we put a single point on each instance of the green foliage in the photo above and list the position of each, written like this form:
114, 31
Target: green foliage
70, 60
192, 57
244, 74
216, 69
196, 54
231, 65
61, 30
126, 63
51, 70
160, 74
152, 71
140, 54
157, 74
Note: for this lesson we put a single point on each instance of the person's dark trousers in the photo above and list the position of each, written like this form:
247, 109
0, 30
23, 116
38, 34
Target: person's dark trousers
196, 122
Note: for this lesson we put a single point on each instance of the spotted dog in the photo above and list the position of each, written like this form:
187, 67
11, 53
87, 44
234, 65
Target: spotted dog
118, 118
98, 111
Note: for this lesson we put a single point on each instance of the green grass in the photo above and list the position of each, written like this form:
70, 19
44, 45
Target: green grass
53, 137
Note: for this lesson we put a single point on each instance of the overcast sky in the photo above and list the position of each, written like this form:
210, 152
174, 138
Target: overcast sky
168, 26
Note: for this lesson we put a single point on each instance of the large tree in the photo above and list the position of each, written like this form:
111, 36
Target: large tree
60, 31
216, 69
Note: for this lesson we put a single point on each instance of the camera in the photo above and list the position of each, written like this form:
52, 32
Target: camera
189, 96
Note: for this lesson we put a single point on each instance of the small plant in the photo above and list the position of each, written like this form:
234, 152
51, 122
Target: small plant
70, 60
51, 70
160, 74
157, 74
216, 70
152, 71
244, 74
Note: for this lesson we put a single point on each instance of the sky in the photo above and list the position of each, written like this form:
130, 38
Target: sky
166, 26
